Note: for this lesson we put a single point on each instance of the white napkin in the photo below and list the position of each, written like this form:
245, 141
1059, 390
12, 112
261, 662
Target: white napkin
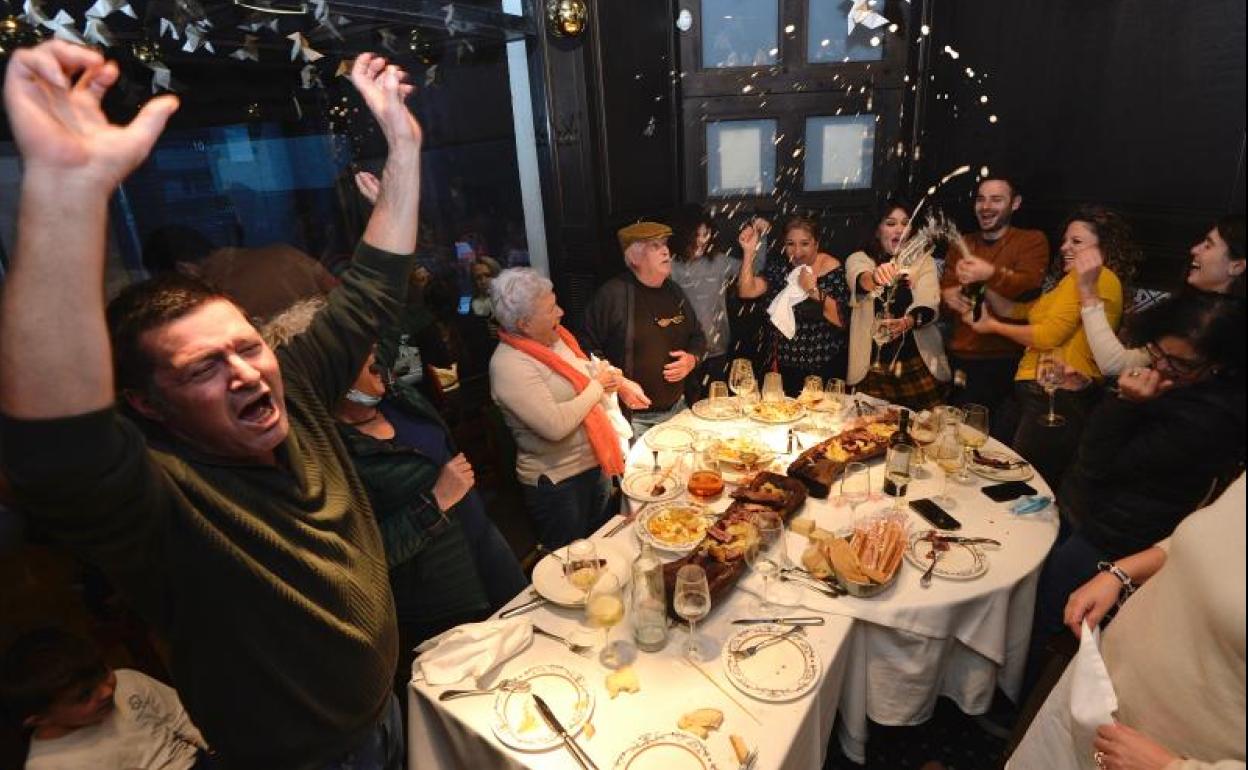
471, 650
611, 405
1092, 698
781, 308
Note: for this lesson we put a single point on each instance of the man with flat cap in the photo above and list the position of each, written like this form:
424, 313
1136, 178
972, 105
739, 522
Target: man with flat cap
642, 322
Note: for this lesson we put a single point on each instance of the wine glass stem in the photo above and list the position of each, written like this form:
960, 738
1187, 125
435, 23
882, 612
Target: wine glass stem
1052, 409
692, 646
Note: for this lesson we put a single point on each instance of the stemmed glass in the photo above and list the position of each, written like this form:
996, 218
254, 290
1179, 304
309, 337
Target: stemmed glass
741, 380
691, 599
973, 434
1049, 374
581, 567
880, 334
948, 454
924, 428
897, 471
834, 391
763, 555
604, 608
855, 486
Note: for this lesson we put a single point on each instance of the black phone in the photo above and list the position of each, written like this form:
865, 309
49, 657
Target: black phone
1010, 490
935, 515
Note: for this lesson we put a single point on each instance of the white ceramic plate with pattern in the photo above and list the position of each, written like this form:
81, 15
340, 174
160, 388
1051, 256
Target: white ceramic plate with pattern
1021, 473
553, 586
674, 527
668, 438
639, 486
725, 409
516, 720
782, 671
666, 751
960, 562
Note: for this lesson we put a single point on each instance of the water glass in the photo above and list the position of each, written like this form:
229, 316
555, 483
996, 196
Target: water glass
691, 600
773, 387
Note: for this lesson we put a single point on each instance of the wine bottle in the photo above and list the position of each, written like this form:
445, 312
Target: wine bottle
902, 436
976, 293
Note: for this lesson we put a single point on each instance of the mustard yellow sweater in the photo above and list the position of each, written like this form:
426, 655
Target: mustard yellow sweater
1057, 325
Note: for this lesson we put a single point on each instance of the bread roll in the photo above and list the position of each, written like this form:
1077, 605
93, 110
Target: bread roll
701, 722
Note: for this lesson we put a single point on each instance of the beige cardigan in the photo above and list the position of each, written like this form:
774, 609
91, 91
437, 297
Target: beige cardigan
925, 285
544, 413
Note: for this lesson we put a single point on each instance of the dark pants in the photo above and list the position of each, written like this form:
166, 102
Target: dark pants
496, 563
989, 381
1070, 564
573, 508
1051, 449
382, 749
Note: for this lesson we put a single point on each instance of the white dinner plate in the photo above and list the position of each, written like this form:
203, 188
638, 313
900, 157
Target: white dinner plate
726, 409
789, 410
551, 584
1021, 473
781, 671
516, 720
639, 486
668, 438
666, 751
682, 546
960, 562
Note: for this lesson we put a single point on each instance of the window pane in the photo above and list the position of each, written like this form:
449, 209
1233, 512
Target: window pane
828, 37
840, 152
741, 157
739, 33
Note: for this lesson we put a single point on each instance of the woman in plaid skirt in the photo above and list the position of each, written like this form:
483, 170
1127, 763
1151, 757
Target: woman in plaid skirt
895, 348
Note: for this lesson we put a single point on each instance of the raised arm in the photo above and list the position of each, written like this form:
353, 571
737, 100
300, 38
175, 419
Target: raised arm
749, 285
54, 349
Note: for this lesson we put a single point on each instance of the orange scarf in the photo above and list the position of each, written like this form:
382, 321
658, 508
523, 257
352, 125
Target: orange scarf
602, 437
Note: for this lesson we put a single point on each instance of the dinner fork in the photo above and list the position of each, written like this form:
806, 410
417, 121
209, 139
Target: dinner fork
506, 685
579, 649
926, 580
748, 652
750, 760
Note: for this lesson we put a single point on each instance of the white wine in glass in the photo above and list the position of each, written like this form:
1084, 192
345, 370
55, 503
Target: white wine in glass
1049, 375
741, 381
948, 453
924, 427
972, 434
604, 608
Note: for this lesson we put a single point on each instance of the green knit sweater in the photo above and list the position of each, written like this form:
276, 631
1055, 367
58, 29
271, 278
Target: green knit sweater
270, 583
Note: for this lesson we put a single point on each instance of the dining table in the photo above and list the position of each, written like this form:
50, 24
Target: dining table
886, 658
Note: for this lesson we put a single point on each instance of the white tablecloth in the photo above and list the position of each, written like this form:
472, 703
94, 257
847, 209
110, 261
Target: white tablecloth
886, 658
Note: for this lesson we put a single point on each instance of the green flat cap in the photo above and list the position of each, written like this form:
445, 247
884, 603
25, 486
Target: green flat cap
641, 231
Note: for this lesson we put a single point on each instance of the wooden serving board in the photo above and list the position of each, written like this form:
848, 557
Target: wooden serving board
821, 465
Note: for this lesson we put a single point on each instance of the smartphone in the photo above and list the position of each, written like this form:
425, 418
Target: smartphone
1010, 490
935, 515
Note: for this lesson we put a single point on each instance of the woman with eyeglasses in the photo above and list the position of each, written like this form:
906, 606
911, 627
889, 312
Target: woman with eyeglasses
1217, 265
1163, 448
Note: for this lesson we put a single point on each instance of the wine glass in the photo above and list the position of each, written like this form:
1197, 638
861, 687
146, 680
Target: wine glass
773, 387
741, 380
880, 335
691, 599
1049, 374
706, 481
764, 557
973, 434
834, 393
855, 486
812, 390
604, 608
897, 473
948, 454
581, 566
924, 428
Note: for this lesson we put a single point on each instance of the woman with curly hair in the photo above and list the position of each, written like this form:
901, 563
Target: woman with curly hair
1052, 325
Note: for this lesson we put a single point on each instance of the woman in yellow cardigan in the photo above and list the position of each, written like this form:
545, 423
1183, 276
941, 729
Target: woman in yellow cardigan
1053, 323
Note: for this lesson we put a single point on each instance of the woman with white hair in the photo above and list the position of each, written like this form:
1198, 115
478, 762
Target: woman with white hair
552, 398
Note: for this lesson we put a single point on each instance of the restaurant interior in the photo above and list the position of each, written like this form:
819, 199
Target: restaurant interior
549, 128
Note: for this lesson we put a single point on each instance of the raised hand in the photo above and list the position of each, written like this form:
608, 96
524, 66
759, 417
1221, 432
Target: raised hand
384, 92
1087, 266
748, 238
52, 96
369, 185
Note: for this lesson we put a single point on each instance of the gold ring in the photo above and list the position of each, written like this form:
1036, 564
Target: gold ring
1099, 758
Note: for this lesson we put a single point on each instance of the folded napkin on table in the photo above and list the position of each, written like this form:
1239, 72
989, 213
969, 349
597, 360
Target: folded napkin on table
781, 308
471, 650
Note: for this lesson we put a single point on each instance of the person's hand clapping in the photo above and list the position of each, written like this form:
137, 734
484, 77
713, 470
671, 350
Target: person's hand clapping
1119, 747
680, 366
608, 377
454, 481
973, 269
384, 92
1142, 385
632, 395
52, 96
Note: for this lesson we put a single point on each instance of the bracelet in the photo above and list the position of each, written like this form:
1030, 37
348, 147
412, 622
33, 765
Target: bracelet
1128, 585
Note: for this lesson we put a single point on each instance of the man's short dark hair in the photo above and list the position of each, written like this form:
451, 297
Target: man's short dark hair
1015, 191
42, 667
146, 305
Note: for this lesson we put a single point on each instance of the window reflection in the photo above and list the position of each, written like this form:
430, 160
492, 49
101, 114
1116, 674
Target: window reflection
740, 157
739, 33
840, 152
829, 40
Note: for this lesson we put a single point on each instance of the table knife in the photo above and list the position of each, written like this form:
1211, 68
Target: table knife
959, 540
536, 601
805, 620
575, 750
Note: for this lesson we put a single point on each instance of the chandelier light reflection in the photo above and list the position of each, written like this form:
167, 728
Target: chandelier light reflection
567, 18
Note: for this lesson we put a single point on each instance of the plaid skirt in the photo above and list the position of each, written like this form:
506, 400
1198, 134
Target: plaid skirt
913, 387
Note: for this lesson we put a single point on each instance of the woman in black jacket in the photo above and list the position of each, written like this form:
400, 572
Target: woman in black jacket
1166, 446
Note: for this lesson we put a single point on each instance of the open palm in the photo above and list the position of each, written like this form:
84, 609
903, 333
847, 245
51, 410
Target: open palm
58, 123
384, 92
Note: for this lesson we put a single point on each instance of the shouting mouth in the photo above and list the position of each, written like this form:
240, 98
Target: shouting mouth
260, 411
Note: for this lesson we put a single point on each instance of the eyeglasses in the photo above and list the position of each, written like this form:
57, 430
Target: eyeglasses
1184, 366
663, 323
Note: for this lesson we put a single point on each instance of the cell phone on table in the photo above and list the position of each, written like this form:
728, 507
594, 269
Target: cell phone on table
935, 515
1010, 490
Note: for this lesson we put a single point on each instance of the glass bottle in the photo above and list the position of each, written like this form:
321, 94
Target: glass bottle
649, 601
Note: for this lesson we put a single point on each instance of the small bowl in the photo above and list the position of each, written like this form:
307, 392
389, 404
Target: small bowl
864, 590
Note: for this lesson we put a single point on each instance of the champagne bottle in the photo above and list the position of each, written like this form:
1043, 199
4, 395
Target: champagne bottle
976, 293
902, 436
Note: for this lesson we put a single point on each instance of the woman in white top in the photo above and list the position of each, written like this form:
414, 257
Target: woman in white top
915, 368
1217, 266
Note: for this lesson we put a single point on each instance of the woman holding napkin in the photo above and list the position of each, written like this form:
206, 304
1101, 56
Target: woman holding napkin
910, 367
561, 408
808, 306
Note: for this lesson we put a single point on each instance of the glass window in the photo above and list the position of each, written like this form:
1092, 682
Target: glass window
740, 157
739, 33
829, 40
840, 152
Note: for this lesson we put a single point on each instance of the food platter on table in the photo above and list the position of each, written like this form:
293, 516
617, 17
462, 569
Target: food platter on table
776, 412
719, 409
780, 671
640, 486
1000, 466
552, 584
675, 527
743, 452
862, 439
666, 751
958, 561
516, 720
